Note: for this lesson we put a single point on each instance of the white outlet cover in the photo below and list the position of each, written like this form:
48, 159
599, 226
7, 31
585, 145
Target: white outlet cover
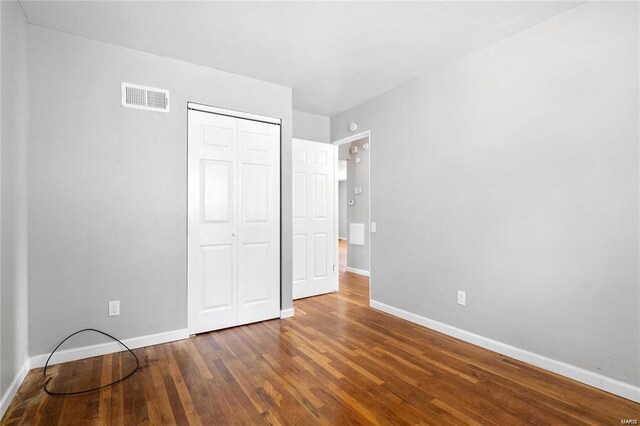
114, 308
462, 298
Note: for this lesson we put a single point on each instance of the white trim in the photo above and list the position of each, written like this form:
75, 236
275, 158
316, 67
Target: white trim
109, 347
13, 387
357, 136
342, 238
358, 271
336, 220
590, 378
232, 113
287, 313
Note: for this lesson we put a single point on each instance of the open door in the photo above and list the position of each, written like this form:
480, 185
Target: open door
314, 221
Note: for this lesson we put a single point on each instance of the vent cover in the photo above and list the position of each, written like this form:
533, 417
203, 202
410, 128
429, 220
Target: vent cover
143, 97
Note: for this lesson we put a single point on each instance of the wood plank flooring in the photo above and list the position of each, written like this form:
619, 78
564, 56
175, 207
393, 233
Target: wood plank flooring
336, 362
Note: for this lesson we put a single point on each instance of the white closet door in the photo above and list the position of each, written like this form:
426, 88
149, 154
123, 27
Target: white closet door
233, 266
258, 221
314, 221
213, 201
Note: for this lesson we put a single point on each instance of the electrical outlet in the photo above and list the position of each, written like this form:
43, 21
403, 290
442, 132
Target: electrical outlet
462, 298
114, 308
373, 227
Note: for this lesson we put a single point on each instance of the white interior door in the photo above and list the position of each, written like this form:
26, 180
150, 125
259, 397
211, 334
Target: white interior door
258, 221
314, 221
234, 221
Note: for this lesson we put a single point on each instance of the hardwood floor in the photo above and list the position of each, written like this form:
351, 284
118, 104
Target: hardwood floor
342, 267
336, 362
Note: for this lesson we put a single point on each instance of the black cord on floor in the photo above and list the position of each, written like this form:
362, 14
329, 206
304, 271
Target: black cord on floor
50, 392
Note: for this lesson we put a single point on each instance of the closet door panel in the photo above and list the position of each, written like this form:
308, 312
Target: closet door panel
258, 221
213, 200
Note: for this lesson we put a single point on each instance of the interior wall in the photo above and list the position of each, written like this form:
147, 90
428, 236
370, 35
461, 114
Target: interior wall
311, 127
13, 192
342, 209
512, 174
358, 175
108, 186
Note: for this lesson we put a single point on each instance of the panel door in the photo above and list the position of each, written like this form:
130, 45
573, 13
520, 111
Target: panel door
314, 221
258, 221
213, 206
234, 221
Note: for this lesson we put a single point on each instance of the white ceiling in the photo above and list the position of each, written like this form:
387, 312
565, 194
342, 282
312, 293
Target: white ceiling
334, 55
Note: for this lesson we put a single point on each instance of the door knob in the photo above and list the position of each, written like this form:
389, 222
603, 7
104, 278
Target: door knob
233, 234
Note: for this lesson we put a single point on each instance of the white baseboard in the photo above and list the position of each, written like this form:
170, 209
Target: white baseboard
342, 238
13, 387
358, 271
287, 313
579, 374
109, 347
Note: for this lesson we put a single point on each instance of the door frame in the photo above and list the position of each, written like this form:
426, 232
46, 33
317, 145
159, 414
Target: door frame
362, 135
231, 113
245, 116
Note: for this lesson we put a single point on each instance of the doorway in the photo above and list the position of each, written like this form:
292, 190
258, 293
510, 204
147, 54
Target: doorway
331, 215
353, 208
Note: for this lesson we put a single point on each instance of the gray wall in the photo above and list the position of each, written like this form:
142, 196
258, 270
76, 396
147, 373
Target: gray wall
342, 209
108, 189
311, 127
358, 175
13, 193
513, 174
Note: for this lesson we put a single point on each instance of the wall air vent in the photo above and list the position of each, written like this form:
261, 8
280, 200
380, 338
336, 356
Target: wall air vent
143, 97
